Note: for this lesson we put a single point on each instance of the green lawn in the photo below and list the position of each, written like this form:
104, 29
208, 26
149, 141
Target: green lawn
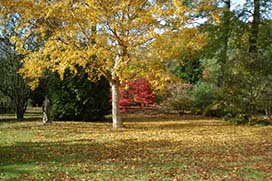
149, 148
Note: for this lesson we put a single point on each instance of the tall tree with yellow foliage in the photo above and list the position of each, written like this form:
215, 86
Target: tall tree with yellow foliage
117, 39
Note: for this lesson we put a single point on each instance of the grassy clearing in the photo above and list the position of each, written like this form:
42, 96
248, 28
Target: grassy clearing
149, 148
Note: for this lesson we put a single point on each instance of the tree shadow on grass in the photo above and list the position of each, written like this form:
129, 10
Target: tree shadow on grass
28, 117
46, 154
24, 157
80, 150
14, 120
31, 114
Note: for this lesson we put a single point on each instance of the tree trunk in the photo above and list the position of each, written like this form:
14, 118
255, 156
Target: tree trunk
19, 114
116, 117
20, 108
226, 32
255, 28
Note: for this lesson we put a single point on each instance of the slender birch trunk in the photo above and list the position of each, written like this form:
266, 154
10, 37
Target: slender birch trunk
116, 117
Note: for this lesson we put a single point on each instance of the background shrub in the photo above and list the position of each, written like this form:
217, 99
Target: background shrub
203, 95
77, 99
178, 98
136, 92
5, 104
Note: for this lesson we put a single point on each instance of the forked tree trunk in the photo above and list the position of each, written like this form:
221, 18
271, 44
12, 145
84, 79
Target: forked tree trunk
20, 108
116, 117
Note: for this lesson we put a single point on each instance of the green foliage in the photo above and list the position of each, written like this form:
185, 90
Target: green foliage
240, 118
189, 70
216, 108
5, 104
203, 94
76, 98
265, 103
237, 58
248, 86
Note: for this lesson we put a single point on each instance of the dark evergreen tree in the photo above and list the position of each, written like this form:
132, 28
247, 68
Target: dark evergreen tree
76, 99
189, 70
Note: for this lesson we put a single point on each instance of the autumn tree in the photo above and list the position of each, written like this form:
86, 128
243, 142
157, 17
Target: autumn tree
136, 92
12, 84
117, 39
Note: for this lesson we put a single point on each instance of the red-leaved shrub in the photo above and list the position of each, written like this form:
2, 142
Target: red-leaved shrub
136, 93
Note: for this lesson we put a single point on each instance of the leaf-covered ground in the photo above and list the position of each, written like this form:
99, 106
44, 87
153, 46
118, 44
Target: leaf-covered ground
149, 148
